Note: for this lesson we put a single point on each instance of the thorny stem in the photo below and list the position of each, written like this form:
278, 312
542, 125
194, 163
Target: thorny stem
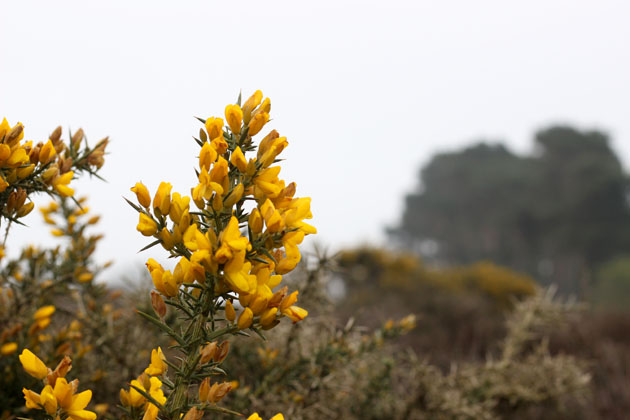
189, 364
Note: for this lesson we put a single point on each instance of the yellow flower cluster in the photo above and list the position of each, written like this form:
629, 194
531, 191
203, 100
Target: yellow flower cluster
405, 324
26, 167
221, 243
147, 383
70, 222
40, 321
59, 398
234, 237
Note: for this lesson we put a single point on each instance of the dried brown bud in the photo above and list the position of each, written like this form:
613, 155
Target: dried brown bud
158, 304
204, 390
60, 371
55, 135
16, 200
193, 414
278, 296
222, 352
96, 158
75, 386
34, 155
14, 135
65, 164
77, 138
218, 391
101, 145
207, 352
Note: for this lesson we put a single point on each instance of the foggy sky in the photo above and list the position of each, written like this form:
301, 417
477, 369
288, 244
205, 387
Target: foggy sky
365, 91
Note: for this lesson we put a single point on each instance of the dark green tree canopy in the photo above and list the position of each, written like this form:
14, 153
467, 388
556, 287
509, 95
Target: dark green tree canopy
554, 214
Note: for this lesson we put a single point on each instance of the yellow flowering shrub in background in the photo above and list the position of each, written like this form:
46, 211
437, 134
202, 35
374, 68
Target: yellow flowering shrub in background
405, 273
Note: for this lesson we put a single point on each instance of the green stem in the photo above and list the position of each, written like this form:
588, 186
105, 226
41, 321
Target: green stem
182, 382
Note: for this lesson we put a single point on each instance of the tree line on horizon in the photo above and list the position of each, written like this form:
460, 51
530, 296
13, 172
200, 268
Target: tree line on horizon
557, 214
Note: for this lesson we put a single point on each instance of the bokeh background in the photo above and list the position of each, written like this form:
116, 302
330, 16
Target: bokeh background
367, 90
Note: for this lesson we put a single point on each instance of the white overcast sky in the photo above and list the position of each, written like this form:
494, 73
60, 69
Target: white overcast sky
365, 91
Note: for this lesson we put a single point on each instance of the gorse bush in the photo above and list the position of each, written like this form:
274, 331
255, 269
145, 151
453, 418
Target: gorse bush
405, 273
209, 353
218, 266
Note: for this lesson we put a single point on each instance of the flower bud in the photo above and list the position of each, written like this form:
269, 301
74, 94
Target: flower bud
193, 414
65, 164
204, 390
207, 156
258, 122
168, 240
50, 173
250, 104
16, 200
33, 154
245, 319
235, 195
162, 199
259, 304
76, 138
124, 398
47, 153
33, 365
255, 221
218, 391
158, 304
15, 134
217, 202
238, 159
55, 135
234, 117
214, 127
230, 314
25, 209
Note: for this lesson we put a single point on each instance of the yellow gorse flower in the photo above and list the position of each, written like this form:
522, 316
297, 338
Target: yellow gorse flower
158, 365
234, 117
58, 397
8, 348
33, 365
142, 193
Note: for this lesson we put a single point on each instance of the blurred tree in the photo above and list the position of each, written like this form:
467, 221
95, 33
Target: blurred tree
555, 214
612, 284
